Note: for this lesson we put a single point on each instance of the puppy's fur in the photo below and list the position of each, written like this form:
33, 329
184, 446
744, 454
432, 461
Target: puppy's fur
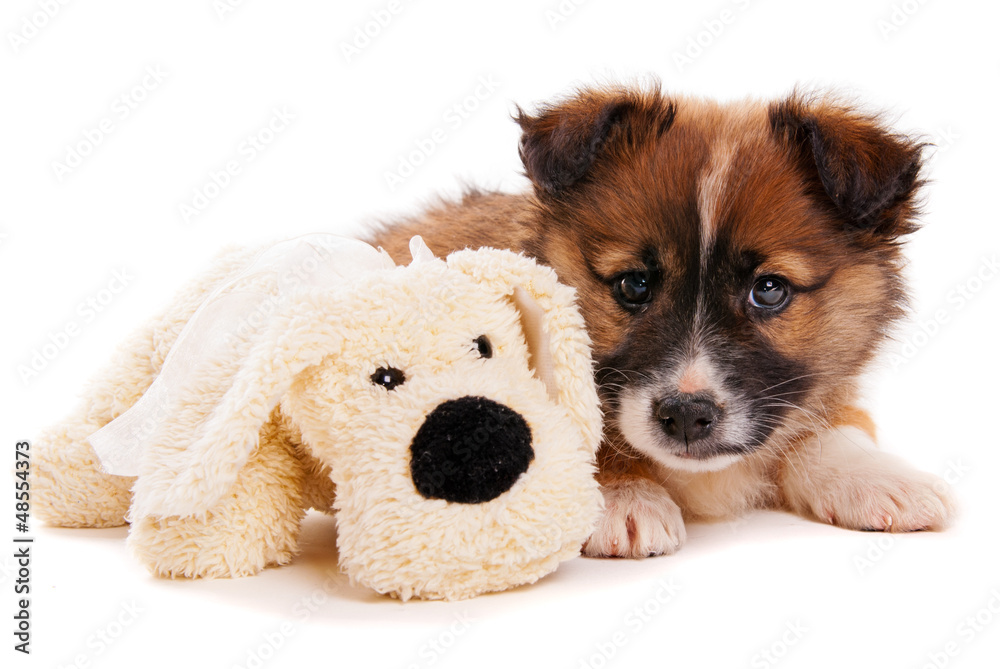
738, 266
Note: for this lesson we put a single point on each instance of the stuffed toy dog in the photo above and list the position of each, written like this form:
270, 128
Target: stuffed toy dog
445, 411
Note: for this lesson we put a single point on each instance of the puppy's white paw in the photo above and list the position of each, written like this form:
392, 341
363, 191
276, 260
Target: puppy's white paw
886, 501
843, 479
640, 520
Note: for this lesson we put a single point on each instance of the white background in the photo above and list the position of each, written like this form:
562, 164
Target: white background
815, 595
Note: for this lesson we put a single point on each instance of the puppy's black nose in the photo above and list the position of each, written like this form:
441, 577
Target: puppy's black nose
470, 450
687, 418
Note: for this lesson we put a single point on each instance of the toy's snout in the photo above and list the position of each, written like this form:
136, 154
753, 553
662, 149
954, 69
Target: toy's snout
470, 450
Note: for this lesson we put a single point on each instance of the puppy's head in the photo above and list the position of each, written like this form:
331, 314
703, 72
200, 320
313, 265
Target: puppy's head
737, 264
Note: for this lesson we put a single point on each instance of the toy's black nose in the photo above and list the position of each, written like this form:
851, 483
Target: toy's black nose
470, 450
687, 418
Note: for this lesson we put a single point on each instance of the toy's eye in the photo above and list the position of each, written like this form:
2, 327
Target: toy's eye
769, 292
484, 346
633, 289
388, 377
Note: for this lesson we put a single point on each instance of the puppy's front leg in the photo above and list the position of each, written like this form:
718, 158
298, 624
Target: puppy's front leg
840, 477
640, 519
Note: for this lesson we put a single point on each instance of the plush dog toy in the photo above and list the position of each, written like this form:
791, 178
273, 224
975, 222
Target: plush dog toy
444, 411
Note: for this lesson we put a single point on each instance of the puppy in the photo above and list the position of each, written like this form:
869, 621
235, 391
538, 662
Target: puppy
738, 266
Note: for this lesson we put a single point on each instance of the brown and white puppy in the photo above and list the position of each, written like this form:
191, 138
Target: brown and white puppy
739, 267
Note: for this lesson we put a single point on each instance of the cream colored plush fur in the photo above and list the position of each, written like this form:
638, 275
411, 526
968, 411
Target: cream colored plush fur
285, 415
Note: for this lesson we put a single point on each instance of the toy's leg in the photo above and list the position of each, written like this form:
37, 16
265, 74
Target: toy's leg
256, 524
318, 489
68, 487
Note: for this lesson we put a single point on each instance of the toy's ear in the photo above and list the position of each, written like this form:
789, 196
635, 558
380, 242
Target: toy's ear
213, 422
553, 327
536, 336
195, 427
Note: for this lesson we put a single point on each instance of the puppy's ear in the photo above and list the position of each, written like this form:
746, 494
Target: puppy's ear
871, 174
562, 141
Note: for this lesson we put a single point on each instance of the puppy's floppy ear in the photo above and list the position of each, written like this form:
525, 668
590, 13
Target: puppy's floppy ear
561, 142
869, 173
553, 327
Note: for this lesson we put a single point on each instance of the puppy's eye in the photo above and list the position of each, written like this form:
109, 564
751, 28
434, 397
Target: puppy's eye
388, 377
769, 292
484, 346
633, 289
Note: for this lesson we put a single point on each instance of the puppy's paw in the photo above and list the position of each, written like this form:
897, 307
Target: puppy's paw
886, 501
640, 520
842, 478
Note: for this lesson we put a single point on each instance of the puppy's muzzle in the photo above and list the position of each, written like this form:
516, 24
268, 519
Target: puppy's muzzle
687, 418
470, 450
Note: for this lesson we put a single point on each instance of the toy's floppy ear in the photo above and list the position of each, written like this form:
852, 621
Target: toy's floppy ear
213, 423
193, 430
537, 338
553, 327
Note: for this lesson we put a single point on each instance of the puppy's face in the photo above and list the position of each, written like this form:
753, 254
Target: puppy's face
737, 265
